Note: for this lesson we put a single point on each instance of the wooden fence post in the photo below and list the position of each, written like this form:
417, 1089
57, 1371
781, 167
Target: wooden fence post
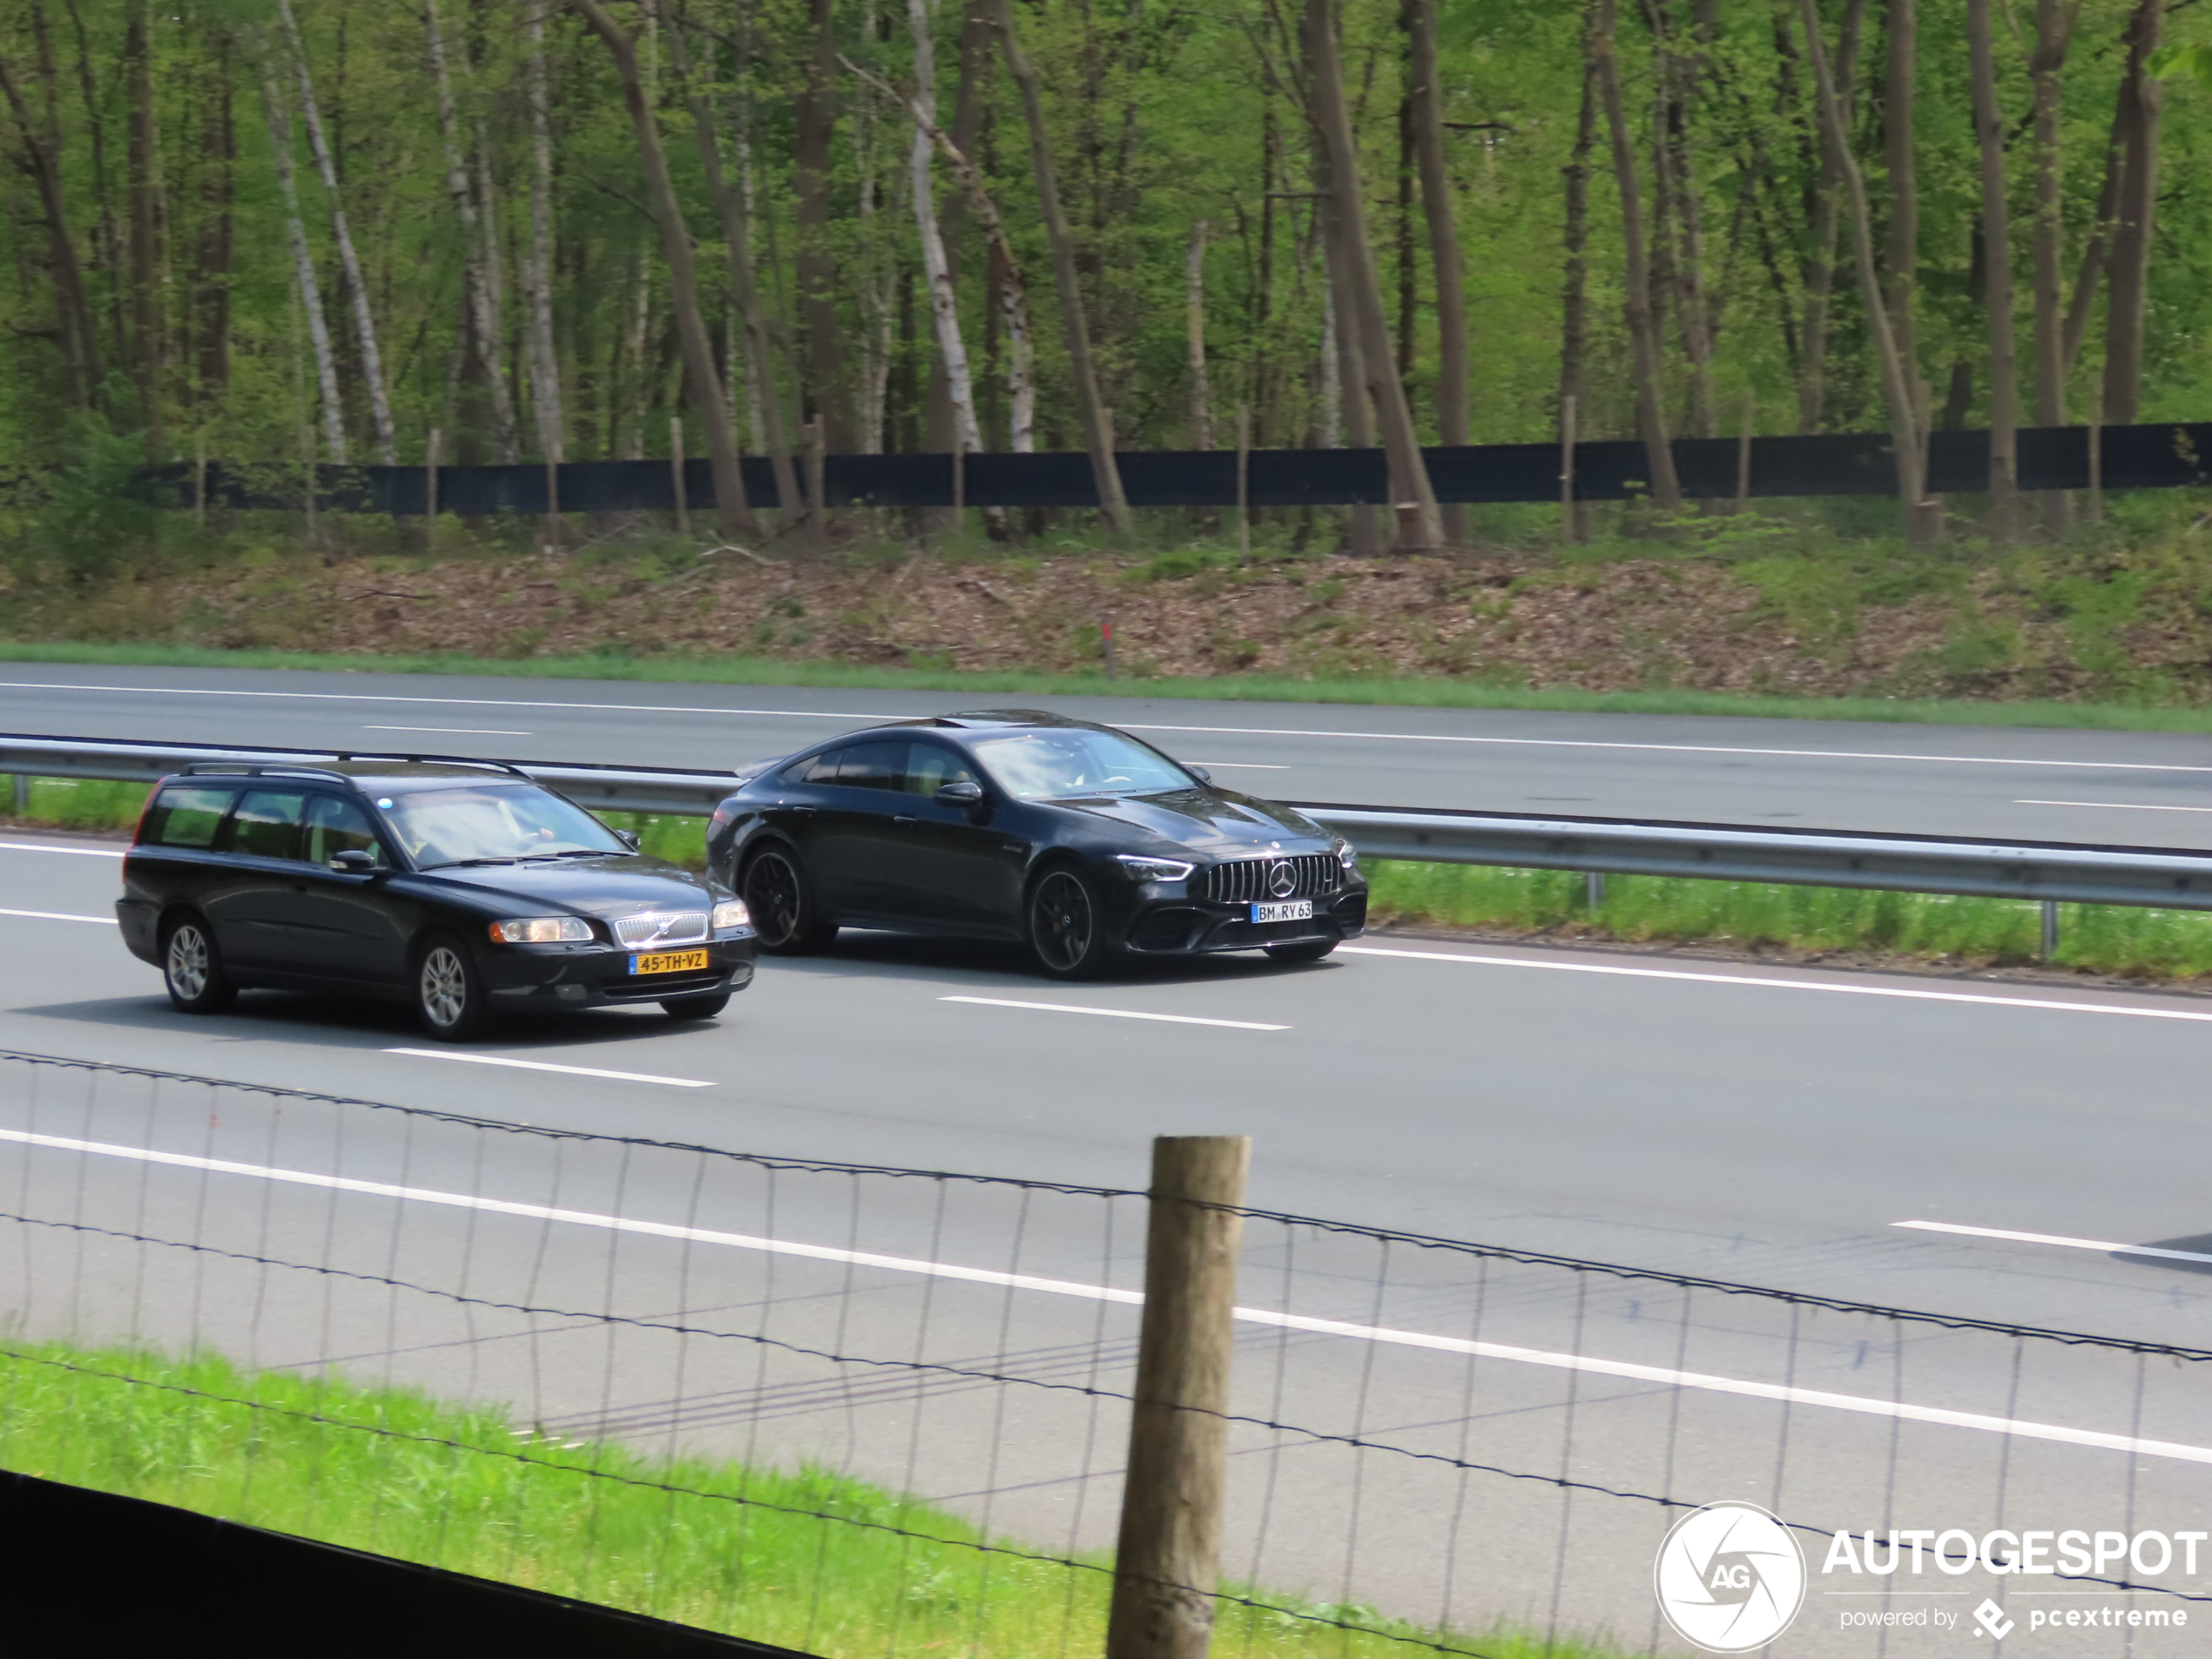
1167, 1562
432, 456
1744, 456
1244, 480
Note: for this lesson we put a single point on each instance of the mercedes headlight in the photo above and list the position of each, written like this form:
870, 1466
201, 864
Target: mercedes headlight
1144, 869
1347, 854
731, 912
541, 930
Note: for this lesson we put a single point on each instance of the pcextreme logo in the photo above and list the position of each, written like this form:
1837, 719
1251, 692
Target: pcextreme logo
1730, 1577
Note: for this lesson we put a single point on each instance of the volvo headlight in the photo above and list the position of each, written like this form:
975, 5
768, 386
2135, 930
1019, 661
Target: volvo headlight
1144, 869
1347, 854
541, 930
731, 913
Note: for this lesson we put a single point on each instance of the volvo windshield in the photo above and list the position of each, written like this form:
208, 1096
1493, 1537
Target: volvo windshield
496, 824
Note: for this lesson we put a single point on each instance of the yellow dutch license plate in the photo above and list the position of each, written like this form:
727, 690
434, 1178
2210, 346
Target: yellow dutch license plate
669, 962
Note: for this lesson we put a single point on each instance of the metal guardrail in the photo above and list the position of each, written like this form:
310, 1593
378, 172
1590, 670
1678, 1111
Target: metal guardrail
620, 789
2050, 871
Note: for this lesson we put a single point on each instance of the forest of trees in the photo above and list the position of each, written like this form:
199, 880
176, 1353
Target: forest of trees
538, 230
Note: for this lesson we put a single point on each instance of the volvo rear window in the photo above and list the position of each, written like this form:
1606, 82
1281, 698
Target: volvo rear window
182, 815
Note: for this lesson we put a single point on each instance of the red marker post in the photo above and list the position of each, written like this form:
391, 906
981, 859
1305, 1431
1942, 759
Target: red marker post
1106, 642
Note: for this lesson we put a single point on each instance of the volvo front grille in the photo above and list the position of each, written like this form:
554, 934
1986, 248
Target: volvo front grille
663, 928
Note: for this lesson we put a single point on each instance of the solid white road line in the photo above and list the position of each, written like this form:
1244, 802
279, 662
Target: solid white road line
1666, 1376
2048, 1004
1241, 731
1112, 1014
2114, 805
58, 915
453, 731
1235, 765
80, 851
2104, 1246
566, 1071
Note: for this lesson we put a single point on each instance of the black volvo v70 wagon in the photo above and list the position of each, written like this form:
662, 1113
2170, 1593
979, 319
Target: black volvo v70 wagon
464, 889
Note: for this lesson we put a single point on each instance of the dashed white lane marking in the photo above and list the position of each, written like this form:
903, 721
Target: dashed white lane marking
1664, 1375
455, 730
1251, 731
2104, 1246
80, 851
1111, 1014
546, 1065
59, 915
2114, 805
2048, 1004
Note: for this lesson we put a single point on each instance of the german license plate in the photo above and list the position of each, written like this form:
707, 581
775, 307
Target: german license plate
670, 961
1290, 910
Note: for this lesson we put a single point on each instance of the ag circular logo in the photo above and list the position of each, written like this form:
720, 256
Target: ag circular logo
1730, 1577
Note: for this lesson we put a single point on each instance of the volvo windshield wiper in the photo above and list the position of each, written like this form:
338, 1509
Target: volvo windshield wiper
456, 864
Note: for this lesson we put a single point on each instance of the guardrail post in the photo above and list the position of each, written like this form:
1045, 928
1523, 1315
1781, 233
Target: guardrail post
2050, 929
1168, 1561
23, 795
1594, 885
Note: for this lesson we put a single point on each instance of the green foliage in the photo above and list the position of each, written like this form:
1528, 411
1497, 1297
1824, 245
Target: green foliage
95, 513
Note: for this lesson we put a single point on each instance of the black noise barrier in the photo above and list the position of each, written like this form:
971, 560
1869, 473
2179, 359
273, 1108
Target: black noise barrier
1858, 463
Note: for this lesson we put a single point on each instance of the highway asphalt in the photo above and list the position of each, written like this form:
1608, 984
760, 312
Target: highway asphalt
2144, 789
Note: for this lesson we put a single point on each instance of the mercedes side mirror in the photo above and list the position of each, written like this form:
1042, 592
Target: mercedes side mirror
628, 837
354, 861
963, 793
1199, 772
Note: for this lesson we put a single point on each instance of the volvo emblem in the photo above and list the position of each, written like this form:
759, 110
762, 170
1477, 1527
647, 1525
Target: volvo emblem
1281, 878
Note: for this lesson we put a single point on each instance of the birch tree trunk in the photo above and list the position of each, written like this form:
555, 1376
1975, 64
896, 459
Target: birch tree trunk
944, 304
1905, 435
2053, 32
1412, 499
1453, 413
1194, 317
1922, 521
379, 401
537, 272
1090, 408
2140, 97
475, 276
1820, 266
734, 513
1644, 326
1353, 410
303, 266
2004, 390
149, 352
1574, 285
737, 237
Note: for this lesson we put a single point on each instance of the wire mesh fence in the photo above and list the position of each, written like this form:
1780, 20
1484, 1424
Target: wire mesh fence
862, 1410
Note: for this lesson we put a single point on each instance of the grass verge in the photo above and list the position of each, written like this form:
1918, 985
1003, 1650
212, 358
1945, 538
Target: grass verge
1919, 926
1417, 691
806, 1559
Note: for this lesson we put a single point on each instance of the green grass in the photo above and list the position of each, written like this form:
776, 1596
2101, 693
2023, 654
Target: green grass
1414, 692
76, 803
2107, 939
803, 1558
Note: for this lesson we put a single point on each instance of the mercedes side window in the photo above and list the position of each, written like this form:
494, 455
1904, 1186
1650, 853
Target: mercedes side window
184, 816
873, 765
930, 767
334, 825
267, 823
815, 769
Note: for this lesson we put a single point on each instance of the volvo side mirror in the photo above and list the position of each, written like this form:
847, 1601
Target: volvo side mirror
354, 861
628, 837
1199, 772
963, 793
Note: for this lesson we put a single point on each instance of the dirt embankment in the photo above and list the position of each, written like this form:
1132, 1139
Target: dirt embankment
1811, 625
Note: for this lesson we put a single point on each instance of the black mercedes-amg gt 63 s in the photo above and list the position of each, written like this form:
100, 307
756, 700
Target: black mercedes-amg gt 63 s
1078, 840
